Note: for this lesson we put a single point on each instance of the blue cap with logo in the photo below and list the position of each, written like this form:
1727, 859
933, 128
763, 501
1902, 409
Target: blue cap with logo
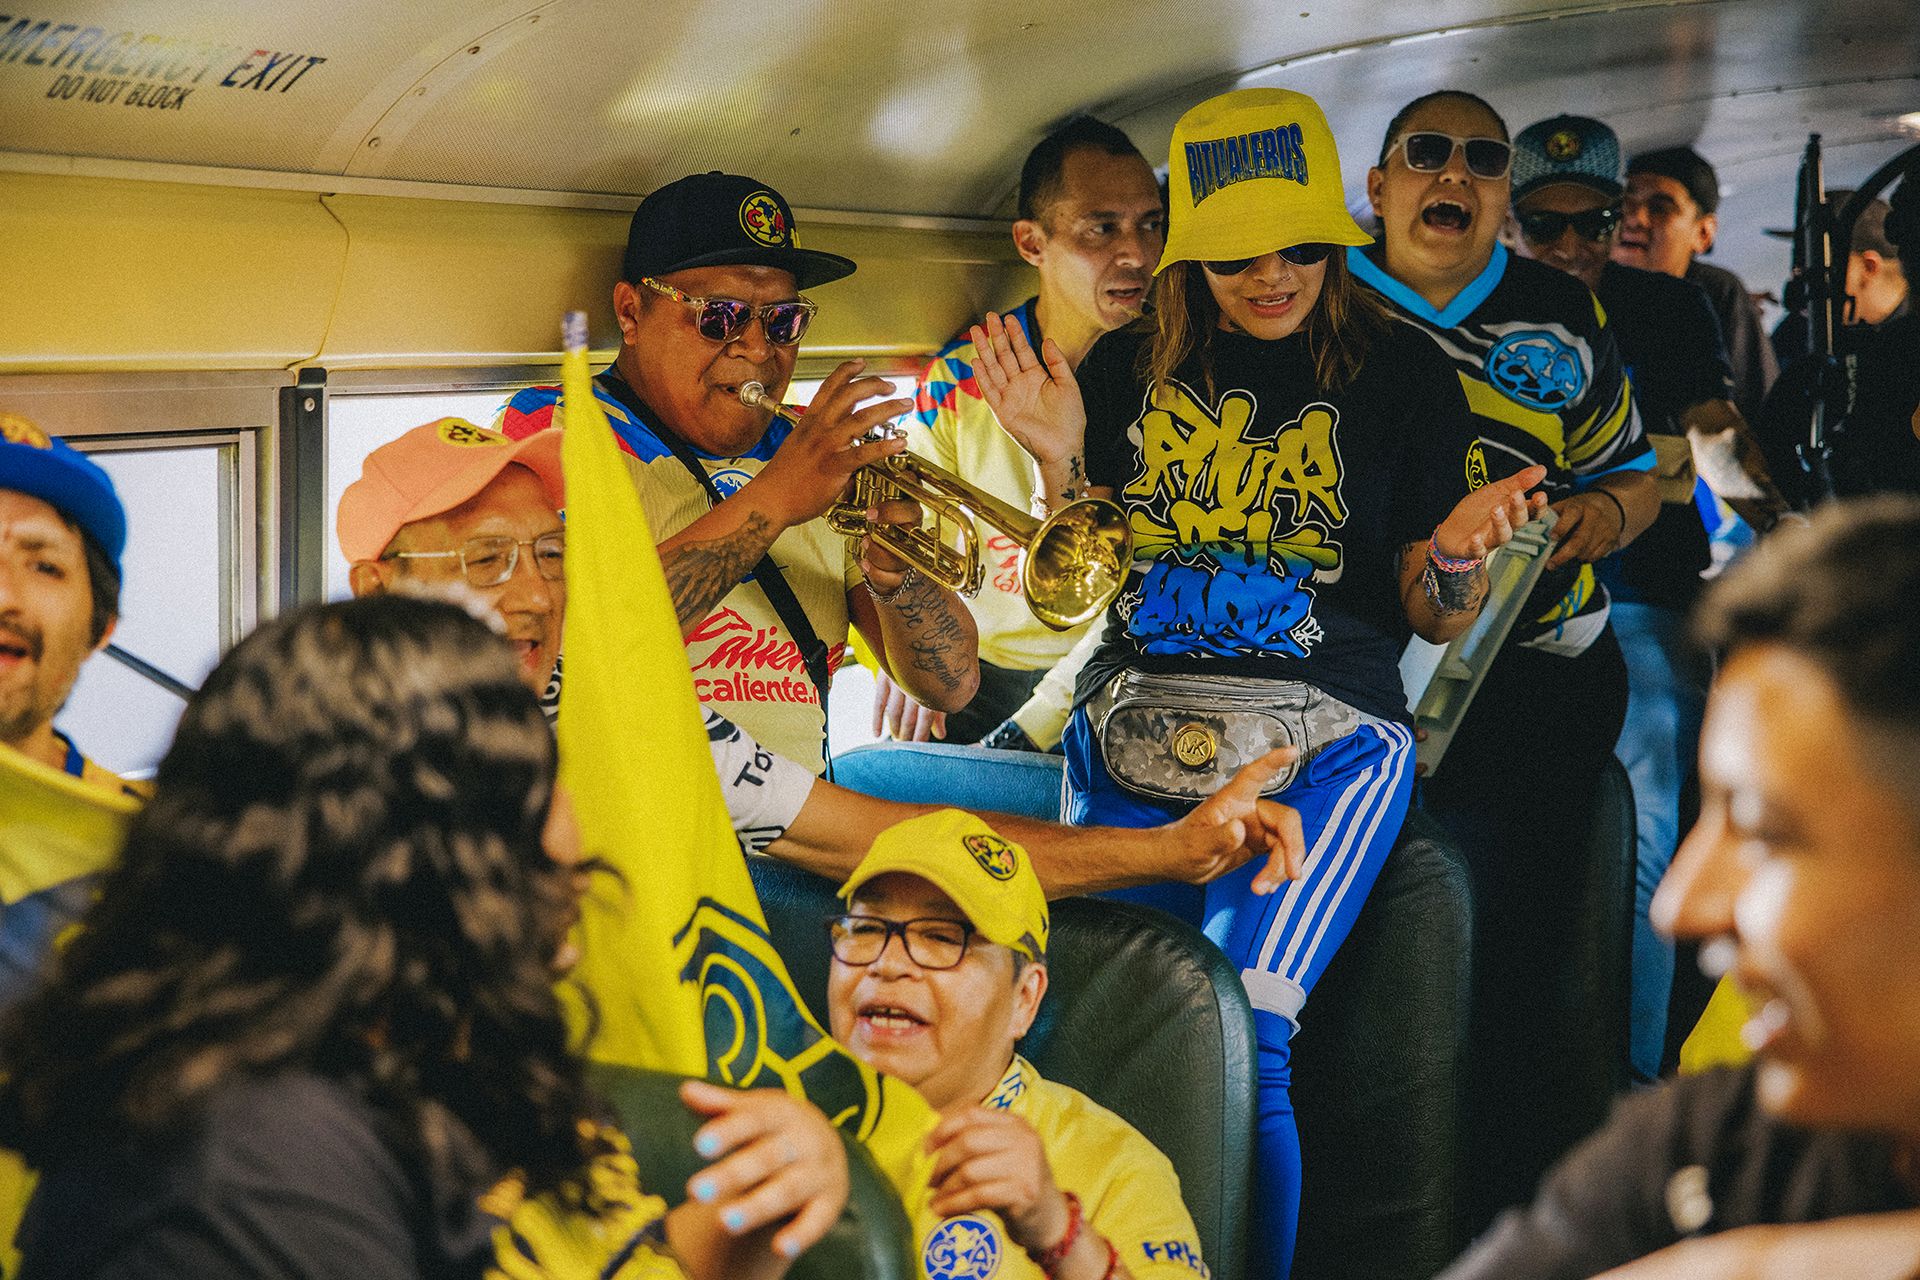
35, 463
1574, 149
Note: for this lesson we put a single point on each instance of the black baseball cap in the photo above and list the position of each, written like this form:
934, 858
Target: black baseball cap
1686, 167
721, 219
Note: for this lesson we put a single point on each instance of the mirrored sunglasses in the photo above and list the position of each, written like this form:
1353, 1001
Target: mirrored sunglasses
1429, 152
490, 561
1545, 226
1300, 255
724, 319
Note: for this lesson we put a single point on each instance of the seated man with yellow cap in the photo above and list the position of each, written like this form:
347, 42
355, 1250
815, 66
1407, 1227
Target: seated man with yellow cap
939, 965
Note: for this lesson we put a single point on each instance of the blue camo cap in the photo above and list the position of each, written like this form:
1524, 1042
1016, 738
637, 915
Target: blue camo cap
1576, 149
42, 466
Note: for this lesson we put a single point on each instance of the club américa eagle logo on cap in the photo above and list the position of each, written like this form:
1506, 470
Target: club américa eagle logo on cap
1563, 145
454, 431
995, 856
762, 220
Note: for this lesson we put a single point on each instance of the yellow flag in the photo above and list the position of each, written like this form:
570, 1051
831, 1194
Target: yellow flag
56, 827
676, 955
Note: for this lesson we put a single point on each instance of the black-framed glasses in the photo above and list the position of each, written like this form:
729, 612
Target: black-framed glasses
1544, 226
1428, 152
1300, 255
724, 319
490, 561
931, 943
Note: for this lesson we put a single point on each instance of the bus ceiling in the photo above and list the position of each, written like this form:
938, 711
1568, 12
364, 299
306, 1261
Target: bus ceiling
225, 186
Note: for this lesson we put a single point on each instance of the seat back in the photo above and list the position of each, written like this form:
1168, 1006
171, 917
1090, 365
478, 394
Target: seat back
1142, 1014
873, 1239
1378, 1067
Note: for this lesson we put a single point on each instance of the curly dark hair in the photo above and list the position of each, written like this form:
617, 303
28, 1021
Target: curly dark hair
341, 870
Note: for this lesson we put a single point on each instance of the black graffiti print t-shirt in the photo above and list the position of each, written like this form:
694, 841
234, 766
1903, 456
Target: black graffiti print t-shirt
1268, 516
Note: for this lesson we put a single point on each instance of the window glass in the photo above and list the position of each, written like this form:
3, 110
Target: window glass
174, 597
359, 424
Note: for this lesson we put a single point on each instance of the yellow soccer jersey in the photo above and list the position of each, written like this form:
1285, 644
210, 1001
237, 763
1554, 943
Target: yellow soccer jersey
952, 427
745, 664
1127, 1188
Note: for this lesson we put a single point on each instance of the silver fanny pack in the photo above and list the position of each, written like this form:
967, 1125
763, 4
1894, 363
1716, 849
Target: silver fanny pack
1181, 737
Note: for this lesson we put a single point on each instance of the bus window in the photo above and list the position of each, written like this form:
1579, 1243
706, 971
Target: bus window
185, 592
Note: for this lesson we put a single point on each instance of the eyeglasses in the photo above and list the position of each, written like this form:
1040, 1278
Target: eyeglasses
1300, 255
1430, 152
930, 943
1544, 226
724, 319
488, 562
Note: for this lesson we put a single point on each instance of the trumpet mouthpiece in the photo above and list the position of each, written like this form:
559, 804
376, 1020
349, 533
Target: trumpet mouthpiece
752, 393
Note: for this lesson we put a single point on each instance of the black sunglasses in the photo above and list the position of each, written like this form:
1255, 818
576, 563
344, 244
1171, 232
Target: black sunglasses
1300, 255
724, 319
1543, 226
1429, 152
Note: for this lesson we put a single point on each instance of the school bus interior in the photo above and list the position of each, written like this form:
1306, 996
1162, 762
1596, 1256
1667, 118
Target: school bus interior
244, 244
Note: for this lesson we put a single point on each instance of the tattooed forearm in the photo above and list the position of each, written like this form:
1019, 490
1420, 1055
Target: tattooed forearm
1454, 593
699, 574
1076, 485
934, 637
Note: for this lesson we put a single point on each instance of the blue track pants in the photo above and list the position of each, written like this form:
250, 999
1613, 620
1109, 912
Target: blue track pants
1352, 798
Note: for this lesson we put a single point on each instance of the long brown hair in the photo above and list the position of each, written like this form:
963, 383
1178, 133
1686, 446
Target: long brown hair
1345, 320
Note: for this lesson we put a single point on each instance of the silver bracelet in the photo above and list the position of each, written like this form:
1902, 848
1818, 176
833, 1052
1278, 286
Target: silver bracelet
907, 580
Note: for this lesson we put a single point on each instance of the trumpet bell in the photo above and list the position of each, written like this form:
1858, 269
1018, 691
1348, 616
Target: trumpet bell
1076, 563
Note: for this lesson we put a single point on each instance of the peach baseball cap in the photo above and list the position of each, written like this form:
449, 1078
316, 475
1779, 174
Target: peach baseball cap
434, 468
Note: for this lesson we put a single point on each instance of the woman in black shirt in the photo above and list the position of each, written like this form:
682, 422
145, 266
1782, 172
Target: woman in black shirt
1293, 466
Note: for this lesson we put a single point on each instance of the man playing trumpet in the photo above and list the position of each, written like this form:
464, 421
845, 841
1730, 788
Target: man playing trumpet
708, 300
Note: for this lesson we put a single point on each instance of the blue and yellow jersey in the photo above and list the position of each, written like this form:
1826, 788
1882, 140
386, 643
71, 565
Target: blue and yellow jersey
1545, 384
51, 904
953, 427
745, 664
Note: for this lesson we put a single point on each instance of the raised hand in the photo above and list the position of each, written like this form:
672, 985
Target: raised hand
1487, 517
1034, 396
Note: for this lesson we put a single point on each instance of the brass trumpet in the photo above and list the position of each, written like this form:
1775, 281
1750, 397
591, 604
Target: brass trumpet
1072, 565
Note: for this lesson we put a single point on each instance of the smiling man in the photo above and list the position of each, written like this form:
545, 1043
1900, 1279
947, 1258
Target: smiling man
939, 965
1804, 874
708, 301
62, 531
1090, 222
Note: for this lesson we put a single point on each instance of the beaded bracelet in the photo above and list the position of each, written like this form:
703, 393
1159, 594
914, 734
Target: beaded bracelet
1449, 564
1049, 1260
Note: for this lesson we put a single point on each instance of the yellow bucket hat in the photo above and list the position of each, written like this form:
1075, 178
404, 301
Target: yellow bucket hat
1250, 172
989, 877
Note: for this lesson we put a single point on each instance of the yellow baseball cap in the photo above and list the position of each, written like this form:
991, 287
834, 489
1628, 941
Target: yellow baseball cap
1250, 172
989, 877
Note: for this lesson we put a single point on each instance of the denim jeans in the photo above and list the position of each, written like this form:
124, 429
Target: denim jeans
1667, 679
944, 773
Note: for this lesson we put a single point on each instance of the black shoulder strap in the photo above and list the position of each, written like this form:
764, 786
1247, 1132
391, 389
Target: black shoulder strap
813, 651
